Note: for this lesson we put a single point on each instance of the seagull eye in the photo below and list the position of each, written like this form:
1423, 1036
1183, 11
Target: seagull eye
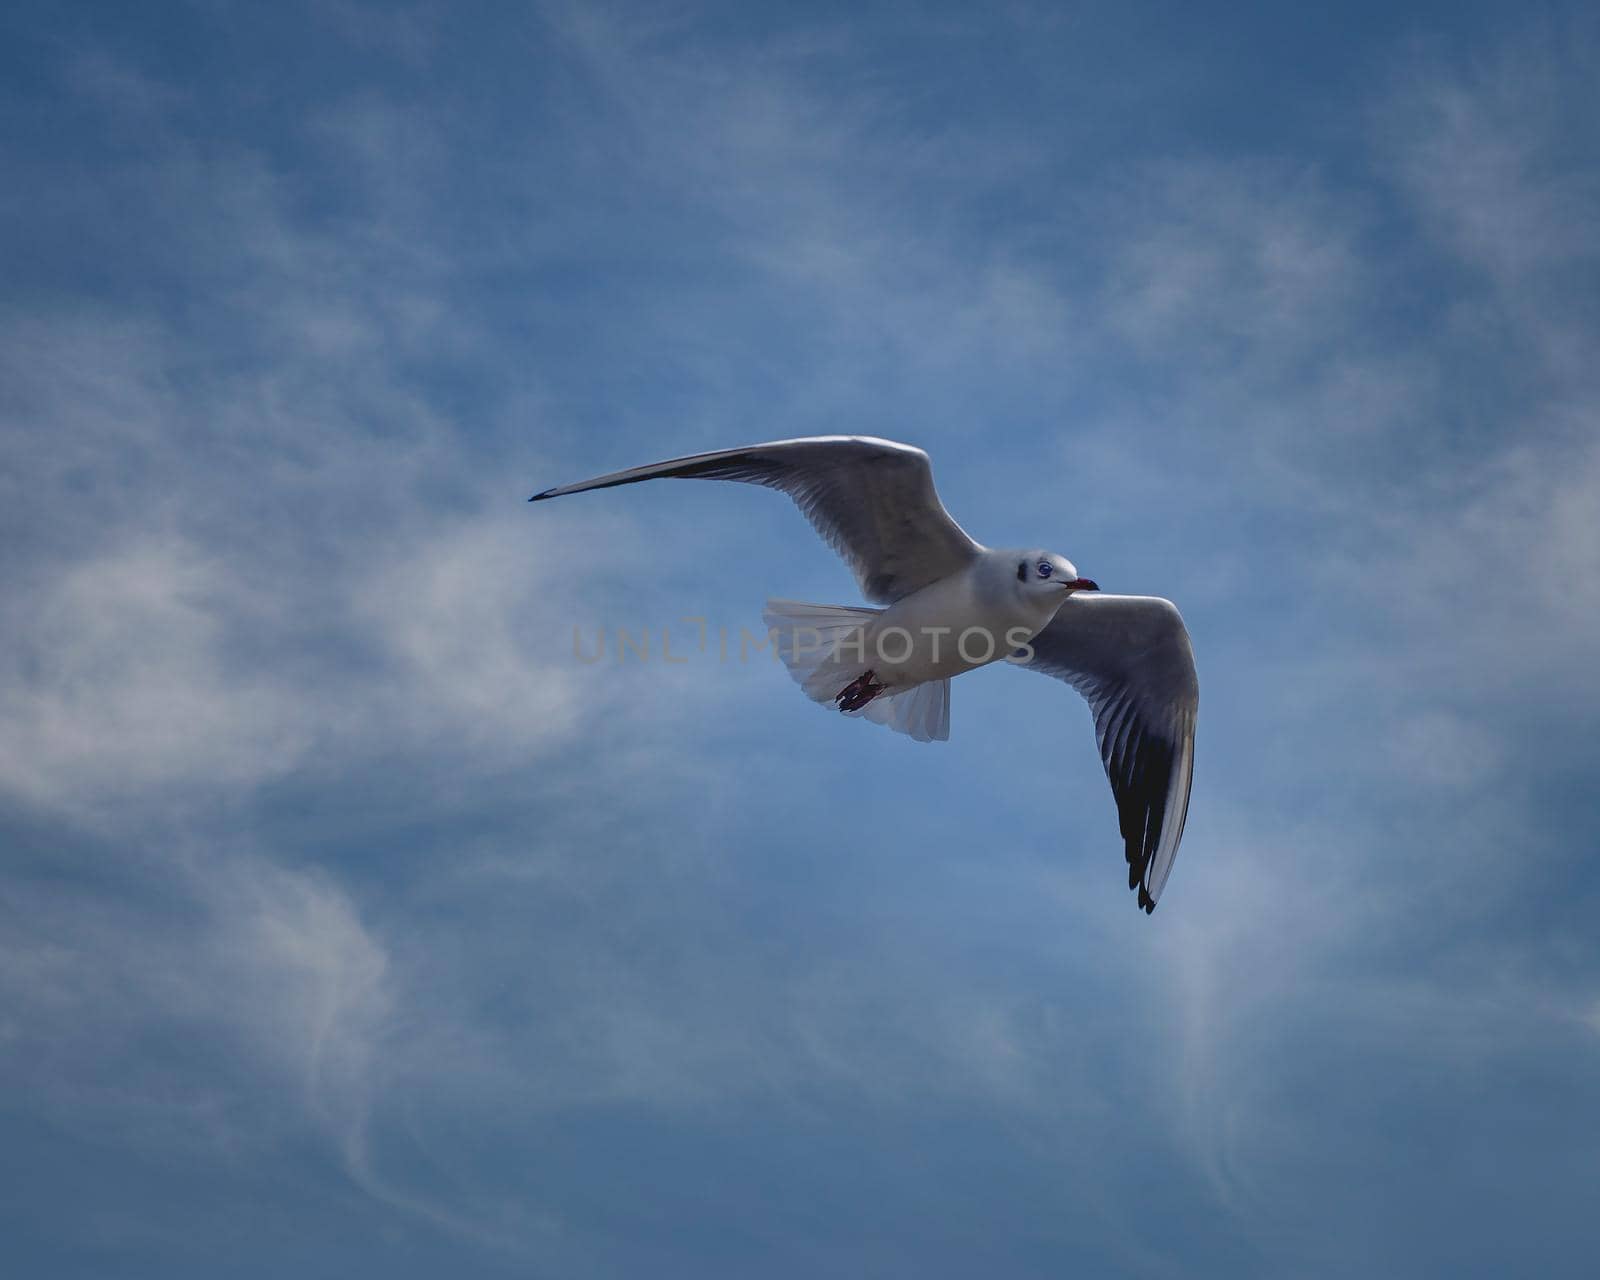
1044, 568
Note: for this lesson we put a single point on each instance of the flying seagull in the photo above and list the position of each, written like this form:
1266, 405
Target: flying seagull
950, 605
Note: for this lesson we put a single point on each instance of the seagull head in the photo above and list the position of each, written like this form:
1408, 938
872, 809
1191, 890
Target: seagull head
1043, 574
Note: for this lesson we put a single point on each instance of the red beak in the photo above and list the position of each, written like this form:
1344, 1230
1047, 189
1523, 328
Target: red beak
1083, 584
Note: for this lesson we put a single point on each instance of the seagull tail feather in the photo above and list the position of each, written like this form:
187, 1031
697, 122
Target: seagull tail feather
823, 647
820, 644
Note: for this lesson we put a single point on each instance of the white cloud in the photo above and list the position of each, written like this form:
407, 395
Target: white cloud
215, 945
1507, 577
221, 563
1498, 161
1221, 260
114, 683
460, 612
1492, 154
1444, 748
240, 548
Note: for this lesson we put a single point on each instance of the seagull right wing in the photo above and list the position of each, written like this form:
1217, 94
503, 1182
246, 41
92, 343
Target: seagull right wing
1129, 656
872, 500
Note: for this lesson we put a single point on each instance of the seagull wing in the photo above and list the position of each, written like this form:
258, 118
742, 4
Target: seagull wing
1129, 656
872, 500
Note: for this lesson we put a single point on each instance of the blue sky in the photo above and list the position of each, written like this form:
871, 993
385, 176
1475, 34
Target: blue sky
349, 924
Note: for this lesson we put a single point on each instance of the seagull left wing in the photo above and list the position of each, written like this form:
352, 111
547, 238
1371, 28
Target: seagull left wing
872, 500
1129, 656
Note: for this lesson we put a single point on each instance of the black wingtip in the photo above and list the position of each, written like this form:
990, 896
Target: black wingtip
1146, 901
542, 495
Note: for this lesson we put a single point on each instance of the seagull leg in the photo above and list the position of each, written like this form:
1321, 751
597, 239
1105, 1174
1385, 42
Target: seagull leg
860, 691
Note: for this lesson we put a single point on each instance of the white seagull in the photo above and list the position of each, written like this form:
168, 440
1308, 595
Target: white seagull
952, 605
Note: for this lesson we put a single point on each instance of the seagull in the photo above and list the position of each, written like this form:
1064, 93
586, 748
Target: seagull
950, 605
